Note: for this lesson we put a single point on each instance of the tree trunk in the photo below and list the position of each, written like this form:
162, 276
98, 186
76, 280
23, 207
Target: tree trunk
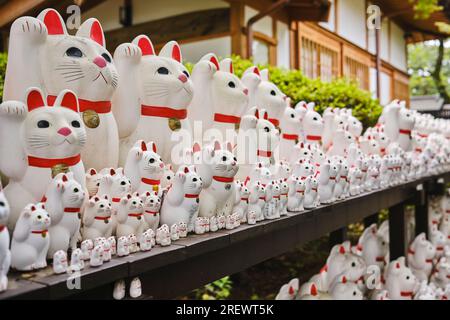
440, 86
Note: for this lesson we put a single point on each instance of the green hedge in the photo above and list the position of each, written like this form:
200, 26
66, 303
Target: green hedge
340, 93
3, 60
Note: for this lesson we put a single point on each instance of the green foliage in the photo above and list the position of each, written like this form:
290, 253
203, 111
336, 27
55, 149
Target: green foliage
3, 60
421, 61
340, 93
217, 290
424, 8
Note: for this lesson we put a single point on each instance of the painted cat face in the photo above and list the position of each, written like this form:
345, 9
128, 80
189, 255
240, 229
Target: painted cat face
101, 206
164, 81
133, 203
152, 202
224, 163
4, 208
80, 63
192, 182
264, 93
150, 163
72, 192
36, 217
114, 183
55, 132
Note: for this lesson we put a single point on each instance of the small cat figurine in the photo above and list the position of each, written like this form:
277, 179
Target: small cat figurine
5, 254
167, 177
123, 247
284, 191
112, 243
145, 242
257, 200
154, 92
174, 236
296, 195
181, 203
42, 53
64, 198
86, 248
144, 167
77, 259
96, 256
60, 263
241, 201
107, 253
51, 141
217, 197
133, 243
97, 218
163, 236
152, 207
31, 240
130, 216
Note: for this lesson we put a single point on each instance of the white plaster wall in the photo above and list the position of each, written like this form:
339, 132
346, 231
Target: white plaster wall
385, 96
373, 82
283, 48
192, 52
352, 21
264, 25
398, 47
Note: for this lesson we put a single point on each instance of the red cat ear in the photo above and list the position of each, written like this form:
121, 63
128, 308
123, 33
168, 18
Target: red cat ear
64, 178
229, 147
341, 250
92, 172
53, 21
146, 45
33, 208
172, 50
397, 265
143, 146
93, 30
256, 71
186, 169
217, 145
112, 172
153, 145
35, 99
266, 116
196, 148
67, 99
344, 279
257, 113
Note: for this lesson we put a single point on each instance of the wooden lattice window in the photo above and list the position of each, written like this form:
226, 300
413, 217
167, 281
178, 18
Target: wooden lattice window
357, 71
400, 86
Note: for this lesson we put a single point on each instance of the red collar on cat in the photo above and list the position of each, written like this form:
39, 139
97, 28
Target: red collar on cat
191, 196
150, 181
43, 232
290, 136
135, 215
275, 122
405, 131
153, 213
223, 179
2, 227
48, 163
225, 118
262, 153
97, 106
72, 210
314, 138
163, 112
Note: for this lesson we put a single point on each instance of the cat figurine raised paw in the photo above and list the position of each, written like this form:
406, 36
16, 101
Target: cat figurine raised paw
97, 218
38, 142
31, 240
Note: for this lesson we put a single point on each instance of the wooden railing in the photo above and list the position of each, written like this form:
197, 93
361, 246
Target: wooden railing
167, 272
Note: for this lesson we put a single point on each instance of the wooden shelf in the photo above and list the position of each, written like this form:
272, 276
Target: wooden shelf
167, 272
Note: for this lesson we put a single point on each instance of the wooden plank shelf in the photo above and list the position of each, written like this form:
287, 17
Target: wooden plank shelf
167, 272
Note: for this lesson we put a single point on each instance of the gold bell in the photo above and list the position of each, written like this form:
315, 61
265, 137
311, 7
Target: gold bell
59, 168
155, 188
91, 119
174, 124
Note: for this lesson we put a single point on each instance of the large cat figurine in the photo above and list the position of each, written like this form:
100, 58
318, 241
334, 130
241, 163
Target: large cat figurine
63, 201
220, 98
151, 101
43, 54
38, 141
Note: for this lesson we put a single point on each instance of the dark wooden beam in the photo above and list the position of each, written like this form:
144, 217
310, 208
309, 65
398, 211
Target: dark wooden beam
397, 234
14, 9
206, 23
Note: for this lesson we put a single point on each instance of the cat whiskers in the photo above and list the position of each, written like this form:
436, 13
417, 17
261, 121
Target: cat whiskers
38, 141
